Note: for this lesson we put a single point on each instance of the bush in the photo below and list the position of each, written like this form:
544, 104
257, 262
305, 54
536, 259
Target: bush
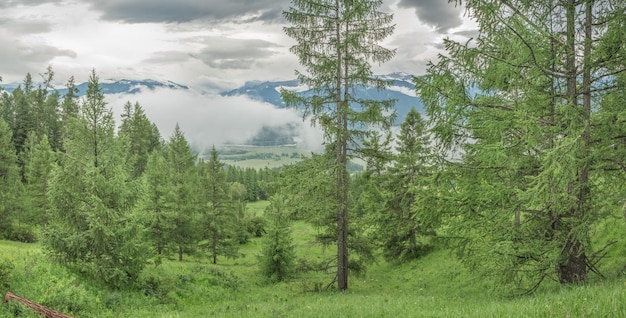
256, 226
158, 286
6, 267
70, 297
23, 234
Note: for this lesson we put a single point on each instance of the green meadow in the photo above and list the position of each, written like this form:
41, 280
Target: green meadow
436, 285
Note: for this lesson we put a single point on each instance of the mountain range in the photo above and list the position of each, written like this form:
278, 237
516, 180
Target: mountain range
263, 93
112, 86
401, 89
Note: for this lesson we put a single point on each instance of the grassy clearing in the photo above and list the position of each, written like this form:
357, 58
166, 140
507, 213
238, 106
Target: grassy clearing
260, 157
433, 286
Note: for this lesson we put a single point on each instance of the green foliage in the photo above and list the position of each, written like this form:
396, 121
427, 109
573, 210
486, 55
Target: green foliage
156, 203
222, 223
184, 199
11, 190
517, 117
39, 161
397, 185
143, 137
336, 42
6, 267
93, 224
277, 258
256, 225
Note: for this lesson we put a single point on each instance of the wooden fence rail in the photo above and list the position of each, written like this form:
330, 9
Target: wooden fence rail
40, 309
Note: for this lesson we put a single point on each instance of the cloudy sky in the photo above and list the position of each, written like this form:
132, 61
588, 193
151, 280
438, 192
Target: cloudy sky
210, 45
201, 43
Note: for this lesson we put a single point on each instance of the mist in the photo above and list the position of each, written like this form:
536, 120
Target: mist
214, 120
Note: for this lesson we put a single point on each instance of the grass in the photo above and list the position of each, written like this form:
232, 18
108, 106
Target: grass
434, 286
260, 157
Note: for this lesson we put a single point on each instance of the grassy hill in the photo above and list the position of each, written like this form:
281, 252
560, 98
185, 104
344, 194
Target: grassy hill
433, 286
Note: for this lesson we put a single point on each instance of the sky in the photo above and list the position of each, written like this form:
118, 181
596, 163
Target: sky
209, 45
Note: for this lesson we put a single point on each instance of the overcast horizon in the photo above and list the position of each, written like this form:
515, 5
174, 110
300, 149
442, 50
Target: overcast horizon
206, 44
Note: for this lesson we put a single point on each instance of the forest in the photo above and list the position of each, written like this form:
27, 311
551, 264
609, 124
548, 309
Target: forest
505, 198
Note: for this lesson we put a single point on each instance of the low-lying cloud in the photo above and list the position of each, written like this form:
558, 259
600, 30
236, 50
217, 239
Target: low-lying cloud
209, 120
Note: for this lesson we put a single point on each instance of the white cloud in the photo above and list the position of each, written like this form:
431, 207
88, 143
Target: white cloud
209, 120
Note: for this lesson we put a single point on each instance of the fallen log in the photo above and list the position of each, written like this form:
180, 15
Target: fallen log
40, 309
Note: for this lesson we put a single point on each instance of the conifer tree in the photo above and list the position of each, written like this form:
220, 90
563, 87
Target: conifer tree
93, 226
40, 161
184, 201
402, 227
10, 183
157, 202
141, 134
336, 42
277, 258
220, 219
516, 111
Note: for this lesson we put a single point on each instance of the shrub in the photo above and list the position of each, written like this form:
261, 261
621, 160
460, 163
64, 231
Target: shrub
23, 234
6, 267
256, 226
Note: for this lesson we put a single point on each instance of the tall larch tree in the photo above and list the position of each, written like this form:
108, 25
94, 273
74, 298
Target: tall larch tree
516, 109
336, 42
93, 226
183, 179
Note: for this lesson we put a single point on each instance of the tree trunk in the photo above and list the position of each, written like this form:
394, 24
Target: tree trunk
573, 268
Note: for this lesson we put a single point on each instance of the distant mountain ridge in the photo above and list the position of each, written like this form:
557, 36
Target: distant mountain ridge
112, 86
402, 89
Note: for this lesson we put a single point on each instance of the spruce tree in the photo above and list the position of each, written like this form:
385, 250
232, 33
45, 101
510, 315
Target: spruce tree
336, 42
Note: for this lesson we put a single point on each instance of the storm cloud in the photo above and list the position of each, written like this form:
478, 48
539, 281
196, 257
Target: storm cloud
439, 13
142, 11
227, 53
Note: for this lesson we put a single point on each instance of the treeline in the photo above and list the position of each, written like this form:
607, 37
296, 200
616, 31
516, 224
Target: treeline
108, 200
255, 181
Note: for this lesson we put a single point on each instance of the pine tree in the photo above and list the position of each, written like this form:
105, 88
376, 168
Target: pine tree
184, 201
221, 222
336, 41
93, 226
